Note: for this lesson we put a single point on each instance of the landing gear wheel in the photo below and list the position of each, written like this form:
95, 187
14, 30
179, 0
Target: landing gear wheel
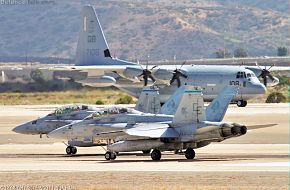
68, 150
189, 153
156, 154
146, 151
113, 156
74, 150
108, 155
242, 103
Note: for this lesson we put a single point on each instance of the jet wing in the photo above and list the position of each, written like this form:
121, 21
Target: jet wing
148, 130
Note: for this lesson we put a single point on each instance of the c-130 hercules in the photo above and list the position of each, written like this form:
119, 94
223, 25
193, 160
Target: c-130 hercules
98, 68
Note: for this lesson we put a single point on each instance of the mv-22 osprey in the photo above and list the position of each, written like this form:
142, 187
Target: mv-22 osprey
96, 67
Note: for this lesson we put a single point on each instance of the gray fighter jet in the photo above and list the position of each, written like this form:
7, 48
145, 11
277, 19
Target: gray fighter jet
148, 103
191, 126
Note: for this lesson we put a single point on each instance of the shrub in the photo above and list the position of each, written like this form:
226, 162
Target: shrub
276, 97
125, 100
100, 102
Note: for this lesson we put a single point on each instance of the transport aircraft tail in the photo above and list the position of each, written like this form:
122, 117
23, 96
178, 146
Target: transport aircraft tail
92, 47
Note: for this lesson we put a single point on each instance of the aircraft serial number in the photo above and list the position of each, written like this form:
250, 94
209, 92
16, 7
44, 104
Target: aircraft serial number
92, 52
235, 83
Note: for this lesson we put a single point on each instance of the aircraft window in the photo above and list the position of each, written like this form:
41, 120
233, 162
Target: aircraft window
34, 122
67, 109
109, 111
241, 75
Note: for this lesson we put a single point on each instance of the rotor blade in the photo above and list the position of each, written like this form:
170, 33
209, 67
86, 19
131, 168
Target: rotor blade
260, 126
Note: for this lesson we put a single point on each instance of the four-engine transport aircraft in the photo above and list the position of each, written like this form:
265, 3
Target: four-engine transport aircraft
191, 126
96, 67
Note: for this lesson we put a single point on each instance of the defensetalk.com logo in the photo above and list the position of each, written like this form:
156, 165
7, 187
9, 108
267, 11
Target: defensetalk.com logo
27, 2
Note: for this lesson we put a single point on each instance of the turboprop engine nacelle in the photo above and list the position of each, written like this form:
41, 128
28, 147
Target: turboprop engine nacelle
132, 73
229, 130
136, 145
163, 74
98, 81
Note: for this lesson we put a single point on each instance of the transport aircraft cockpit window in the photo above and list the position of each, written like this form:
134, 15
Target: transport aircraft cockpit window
241, 75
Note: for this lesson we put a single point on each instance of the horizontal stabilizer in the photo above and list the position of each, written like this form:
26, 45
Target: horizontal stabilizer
250, 127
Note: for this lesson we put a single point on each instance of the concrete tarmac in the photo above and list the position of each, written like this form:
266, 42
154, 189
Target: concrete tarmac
258, 160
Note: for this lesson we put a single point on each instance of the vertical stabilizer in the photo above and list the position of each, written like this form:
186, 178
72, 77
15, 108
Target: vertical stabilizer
92, 46
148, 101
218, 107
170, 106
191, 106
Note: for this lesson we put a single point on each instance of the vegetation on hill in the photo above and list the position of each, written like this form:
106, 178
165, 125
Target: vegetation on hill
161, 29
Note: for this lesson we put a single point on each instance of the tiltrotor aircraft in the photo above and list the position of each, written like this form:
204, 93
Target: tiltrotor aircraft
191, 127
96, 67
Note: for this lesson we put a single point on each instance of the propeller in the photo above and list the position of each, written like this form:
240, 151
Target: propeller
147, 73
265, 73
177, 73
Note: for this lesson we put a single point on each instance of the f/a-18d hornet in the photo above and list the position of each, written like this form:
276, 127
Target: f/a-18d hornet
96, 67
148, 103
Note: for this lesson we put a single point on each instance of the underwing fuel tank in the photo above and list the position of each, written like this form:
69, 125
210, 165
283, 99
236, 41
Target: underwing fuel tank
98, 81
136, 145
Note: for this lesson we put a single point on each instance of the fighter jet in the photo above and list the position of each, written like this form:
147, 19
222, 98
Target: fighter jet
148, 103
93, 58
191, 126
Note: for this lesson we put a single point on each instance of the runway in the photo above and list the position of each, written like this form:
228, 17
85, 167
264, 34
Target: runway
258, 160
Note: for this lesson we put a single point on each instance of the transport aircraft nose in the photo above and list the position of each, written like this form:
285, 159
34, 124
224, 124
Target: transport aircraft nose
261, 89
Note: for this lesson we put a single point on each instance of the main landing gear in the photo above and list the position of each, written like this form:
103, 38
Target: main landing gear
156, 154
189, 153
242, 103
110, 155
71, 150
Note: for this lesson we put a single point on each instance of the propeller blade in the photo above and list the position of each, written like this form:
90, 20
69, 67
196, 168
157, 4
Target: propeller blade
178, 82
182, 64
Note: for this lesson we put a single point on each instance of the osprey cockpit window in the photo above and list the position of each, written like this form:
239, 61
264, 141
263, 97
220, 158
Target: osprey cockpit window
34, 122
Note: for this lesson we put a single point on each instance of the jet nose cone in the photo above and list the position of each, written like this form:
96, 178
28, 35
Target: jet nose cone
22, 129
